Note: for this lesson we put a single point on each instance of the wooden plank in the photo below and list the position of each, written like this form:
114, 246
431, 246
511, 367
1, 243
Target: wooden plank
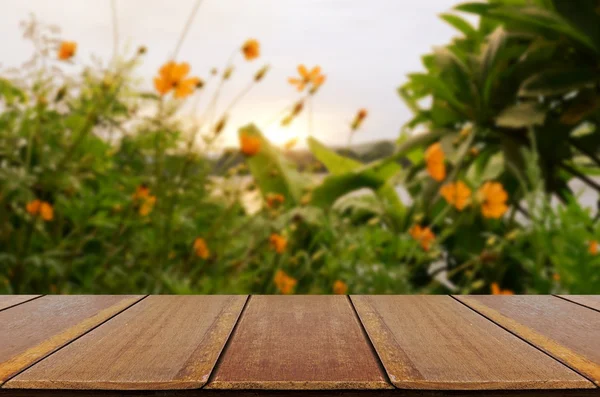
297, 393
40, 327
564, 330
7, 301
298, 342
435, 343
591, 301
163, 342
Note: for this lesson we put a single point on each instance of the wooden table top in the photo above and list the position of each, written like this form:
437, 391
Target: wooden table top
225, 345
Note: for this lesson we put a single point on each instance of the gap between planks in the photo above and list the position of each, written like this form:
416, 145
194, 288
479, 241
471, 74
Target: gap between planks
227, 343
20, 303
370, 343
532, 344
67, 343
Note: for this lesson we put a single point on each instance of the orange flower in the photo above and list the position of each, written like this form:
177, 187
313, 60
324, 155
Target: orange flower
313, 77
145, 200
201, 249
423, 235
147, 205
457, 194
434, 157
493, 197
141, 192
171, 76
40, 208
358, 119
250, 145
496, 290
285, 284
556, 277
340, 287
67, 50
251, 49
274, 199
593, 247
278, 243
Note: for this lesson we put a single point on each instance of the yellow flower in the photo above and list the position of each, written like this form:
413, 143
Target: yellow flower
496, 290
285, 284
457, 194
251, 49
171, 76
313, 77
274, 199
201, 249
290, 144
466, 131
593, 247
434, 157
493, 197
250, 145
67, 50
278, 243
40, 208
423, 235
340, 287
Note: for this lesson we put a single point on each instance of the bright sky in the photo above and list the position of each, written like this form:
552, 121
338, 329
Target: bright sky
365, 47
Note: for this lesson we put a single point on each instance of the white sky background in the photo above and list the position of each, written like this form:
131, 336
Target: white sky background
365, 47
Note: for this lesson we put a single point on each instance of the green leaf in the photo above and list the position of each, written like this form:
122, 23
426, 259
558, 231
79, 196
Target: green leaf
335, 163
521, 115
489, 63
558, 81
583, 14
10, 92
272, 172
460, 24
487, 166
439, 88
371, 176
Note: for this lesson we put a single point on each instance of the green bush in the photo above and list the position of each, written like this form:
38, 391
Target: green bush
105, 189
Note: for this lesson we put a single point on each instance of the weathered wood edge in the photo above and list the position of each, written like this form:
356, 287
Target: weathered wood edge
298, 393
584, 367
68, 336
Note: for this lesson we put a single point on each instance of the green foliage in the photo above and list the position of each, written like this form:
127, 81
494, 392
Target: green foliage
132, 203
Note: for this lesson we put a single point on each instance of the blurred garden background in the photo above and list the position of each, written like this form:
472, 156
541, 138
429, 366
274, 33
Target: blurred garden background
300, 147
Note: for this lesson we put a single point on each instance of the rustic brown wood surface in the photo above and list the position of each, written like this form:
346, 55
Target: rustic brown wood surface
163, 342
309, 346
565, 330
591, 301
34, 329
7, 301
297, 393
434, 342
298, 342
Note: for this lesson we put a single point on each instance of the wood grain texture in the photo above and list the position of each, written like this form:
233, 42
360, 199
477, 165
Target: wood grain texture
7, 301
299, 393
298, 342
591, 301
436, 343
35, 329
163, 342
564, 330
